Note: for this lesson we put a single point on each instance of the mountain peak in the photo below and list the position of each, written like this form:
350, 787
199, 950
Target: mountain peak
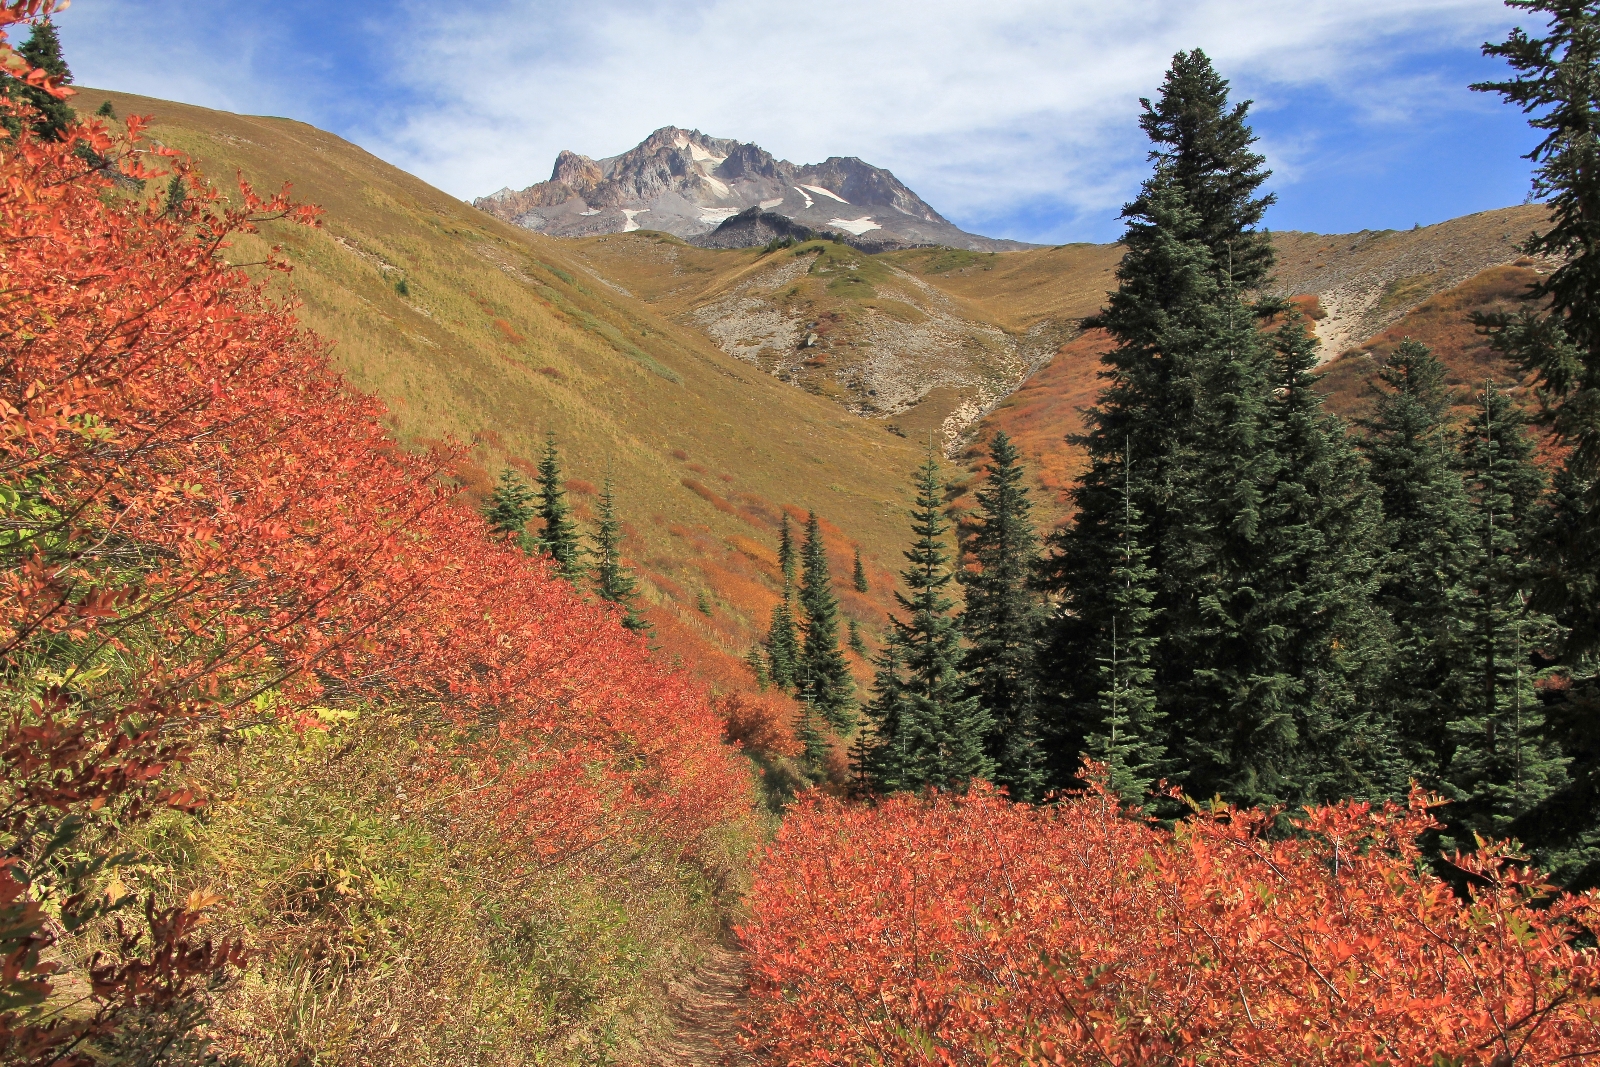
687, 183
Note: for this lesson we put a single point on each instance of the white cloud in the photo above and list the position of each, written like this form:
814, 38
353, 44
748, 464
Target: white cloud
985, 109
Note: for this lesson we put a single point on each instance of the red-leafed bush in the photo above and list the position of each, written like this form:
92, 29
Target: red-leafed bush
760, 721
974, 931
201, 528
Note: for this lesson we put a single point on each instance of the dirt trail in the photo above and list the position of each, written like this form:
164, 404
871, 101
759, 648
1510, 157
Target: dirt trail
708, 1009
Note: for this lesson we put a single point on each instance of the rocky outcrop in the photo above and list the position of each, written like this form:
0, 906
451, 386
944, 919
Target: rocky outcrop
688, 184
753, 227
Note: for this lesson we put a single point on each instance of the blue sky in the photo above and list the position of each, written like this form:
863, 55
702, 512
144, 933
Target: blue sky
1015, 118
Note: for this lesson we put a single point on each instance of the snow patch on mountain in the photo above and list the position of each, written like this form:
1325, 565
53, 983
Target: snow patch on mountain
855, 226
820, 191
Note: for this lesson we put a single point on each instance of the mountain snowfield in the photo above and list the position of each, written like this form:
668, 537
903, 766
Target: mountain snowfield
687, 184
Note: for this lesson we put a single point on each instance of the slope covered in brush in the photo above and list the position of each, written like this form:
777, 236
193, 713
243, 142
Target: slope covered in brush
214, 552
471, 329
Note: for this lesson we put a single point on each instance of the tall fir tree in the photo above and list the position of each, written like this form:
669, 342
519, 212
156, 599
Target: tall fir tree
613, 581
1001, 621
1315, 589
559, 536
1412, 462
859, 577
42, 50
1186, 381
509, 508
822, 671
1555, 80
1127, 735
927, 730
1501, 765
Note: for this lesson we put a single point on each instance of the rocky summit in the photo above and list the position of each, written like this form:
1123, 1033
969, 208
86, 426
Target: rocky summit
713, 191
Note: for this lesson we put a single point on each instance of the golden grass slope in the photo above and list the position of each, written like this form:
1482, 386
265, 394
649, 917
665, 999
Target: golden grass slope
498, 335
929, 339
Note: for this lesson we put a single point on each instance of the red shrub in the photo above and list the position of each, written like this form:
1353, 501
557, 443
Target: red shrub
706, 494
508, 333
974, 931
762, 722
581, 487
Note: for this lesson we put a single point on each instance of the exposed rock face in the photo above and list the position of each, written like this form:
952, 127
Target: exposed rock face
752, 227
685, 183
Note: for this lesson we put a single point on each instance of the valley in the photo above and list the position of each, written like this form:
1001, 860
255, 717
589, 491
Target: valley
720, 387
399, 771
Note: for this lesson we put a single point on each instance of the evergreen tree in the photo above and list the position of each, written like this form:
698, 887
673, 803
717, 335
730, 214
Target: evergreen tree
926, 729
786, 553
42, 49
1127, 738
1001, 621
859, 579
757, 662
1411, 460
177, 196
783, 646
1556, 82
1501, 765
857, 645
559, 537
809, 732
1187, 383
823, 673
783, 642
1252, 517
1315, 590
510, 507
612, 580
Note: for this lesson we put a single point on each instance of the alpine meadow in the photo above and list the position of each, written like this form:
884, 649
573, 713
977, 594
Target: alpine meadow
702, 609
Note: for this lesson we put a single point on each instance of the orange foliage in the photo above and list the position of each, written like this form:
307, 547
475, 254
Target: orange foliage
205, 500
507, 332
974, 931
709, 496
756, 552
581, 487
1047, 410
762, 722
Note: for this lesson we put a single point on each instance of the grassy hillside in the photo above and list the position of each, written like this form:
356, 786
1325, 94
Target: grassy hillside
474, 330
927, 340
